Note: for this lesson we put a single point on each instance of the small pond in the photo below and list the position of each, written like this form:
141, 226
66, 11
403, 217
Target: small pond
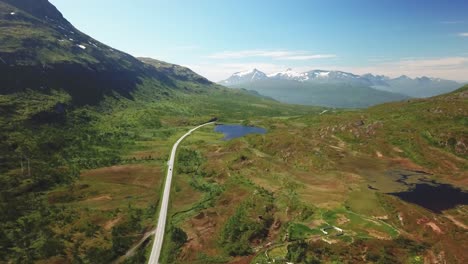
434, 196
235, 131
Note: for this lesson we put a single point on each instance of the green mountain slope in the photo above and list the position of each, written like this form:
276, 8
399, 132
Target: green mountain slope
40, 50
330, 95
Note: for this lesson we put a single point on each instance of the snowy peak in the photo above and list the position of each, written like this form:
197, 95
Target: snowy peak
318, 74
315, 75
288, 74
336, 77
331, 74
244, 73
244, 77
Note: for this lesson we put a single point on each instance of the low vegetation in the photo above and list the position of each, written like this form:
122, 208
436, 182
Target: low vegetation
321, 195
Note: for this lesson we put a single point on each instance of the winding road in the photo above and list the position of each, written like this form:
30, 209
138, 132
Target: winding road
159, 234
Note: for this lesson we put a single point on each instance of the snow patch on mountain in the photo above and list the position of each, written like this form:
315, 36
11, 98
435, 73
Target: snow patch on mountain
245, 77
288, 74
244, 73
324, 74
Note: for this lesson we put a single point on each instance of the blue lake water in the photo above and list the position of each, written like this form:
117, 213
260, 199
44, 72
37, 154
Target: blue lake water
235, 131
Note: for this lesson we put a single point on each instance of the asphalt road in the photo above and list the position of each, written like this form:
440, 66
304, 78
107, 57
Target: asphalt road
159, 234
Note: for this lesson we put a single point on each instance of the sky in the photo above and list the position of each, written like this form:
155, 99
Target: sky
216, 38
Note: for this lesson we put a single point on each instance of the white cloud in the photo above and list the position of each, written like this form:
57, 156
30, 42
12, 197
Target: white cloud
463, 34
272, 54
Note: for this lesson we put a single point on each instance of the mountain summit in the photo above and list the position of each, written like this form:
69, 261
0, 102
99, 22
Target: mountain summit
289, 74
40, 9
244, 77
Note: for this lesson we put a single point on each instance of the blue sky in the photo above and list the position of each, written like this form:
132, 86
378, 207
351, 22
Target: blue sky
219, 37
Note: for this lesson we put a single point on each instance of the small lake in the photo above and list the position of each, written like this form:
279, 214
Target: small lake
434, 196
236, 131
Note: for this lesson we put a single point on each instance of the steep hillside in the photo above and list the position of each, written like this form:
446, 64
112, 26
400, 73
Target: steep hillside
40, 50
176, 71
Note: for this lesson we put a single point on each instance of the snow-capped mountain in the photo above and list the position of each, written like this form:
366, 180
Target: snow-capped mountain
288, 74
319, 76
336, 77
417, 87
244, 77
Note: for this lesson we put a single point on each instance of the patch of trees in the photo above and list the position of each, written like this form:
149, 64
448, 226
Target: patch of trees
37, 157
124, 234
250, 223
297, 253
373, 251
189, 161
177, 238
26, 233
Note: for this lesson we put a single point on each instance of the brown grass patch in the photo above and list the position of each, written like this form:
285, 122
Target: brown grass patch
117, 186
183, 195
378, 234
341, 219
111, 223
434, 227
203, 229
100, 198
457, 222
135, 174
242, 260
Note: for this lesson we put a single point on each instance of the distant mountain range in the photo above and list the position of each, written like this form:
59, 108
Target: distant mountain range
385, 89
